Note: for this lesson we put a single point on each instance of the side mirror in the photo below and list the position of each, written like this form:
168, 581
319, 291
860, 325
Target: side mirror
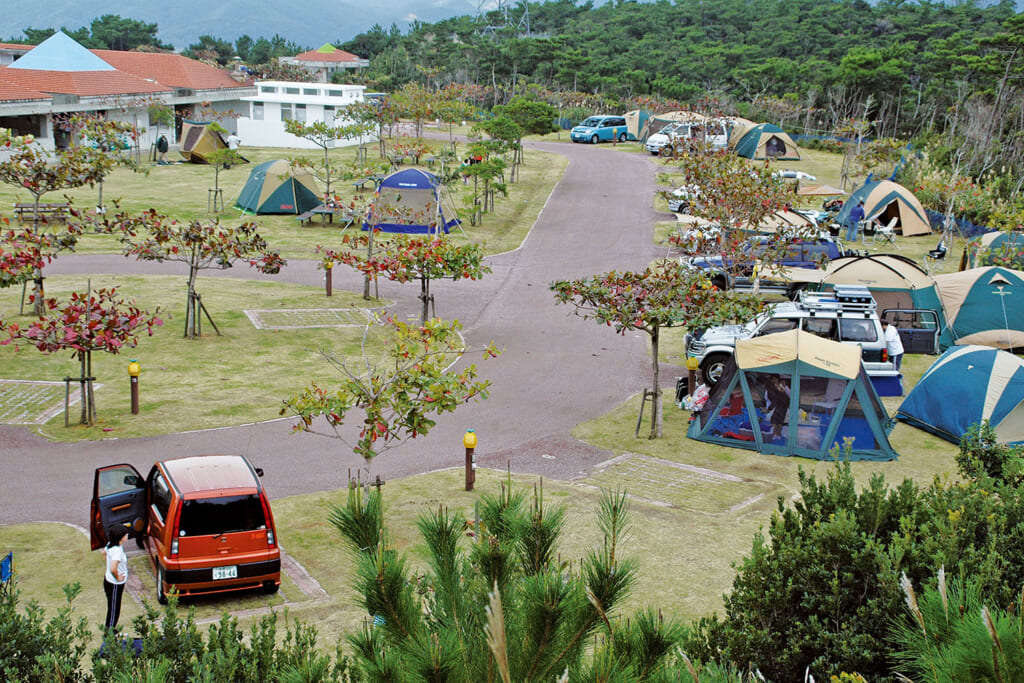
259, 471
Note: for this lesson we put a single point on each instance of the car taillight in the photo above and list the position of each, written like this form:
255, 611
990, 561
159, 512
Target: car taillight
885, 355
174, 536
271, 541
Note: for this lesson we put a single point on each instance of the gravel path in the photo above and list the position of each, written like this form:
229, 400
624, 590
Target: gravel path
557, 369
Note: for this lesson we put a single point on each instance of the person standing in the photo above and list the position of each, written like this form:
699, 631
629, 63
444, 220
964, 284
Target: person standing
893, 344
116, 574
853, 221
234, 142
161, 147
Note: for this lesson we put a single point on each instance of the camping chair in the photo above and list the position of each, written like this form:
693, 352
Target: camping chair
931, 260
886, 233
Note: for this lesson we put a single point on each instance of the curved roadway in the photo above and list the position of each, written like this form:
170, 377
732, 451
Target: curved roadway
557, 369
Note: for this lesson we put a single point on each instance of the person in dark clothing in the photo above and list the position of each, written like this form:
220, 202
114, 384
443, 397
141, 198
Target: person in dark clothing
162, 147
853, 221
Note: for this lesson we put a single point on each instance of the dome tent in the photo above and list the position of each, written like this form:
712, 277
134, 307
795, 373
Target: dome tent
984, 306
885, 200
995, 248
965, 385
278, 187
765, 141
894, 281
410, 201
808, 395
199, 140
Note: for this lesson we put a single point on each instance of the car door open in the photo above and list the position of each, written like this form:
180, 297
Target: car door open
118, 497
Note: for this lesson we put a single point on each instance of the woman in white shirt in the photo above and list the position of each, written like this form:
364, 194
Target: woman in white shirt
116, 574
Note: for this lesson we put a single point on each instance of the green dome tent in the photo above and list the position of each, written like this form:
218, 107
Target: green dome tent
984, 306
807, 395
277, 187
885, 200
995, 249
765, 141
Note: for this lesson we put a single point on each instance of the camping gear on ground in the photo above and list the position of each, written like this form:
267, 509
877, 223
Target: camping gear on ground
885, 200
767, 141
965, 385
983, 306
199, 141
410, 201
794, 393
995, 248
278, 187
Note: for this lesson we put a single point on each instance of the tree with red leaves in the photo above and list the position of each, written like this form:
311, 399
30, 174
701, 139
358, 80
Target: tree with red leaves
201, 245
662, 296
90, 321
397, 395
406, 258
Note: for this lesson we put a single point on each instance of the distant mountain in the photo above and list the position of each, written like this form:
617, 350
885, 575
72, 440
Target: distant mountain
311, 23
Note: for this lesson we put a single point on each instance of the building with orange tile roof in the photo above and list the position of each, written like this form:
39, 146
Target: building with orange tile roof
325, 61
48, 83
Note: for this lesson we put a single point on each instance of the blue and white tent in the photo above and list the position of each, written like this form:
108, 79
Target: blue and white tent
968, 384
410, 201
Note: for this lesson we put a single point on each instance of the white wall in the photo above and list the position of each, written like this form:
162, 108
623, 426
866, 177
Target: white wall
269, 131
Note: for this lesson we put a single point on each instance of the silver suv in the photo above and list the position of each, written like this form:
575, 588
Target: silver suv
848, 315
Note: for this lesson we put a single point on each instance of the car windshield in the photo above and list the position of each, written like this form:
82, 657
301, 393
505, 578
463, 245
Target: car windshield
591, 122
212, 516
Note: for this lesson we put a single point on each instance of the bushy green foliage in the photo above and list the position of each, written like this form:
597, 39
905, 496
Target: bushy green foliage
819, 592
956, 633
34, 648
981, 455
497, 603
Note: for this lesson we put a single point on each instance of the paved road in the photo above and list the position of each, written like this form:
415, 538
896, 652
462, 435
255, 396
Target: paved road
557, 369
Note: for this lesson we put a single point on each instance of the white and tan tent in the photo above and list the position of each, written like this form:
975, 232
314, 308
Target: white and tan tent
885, 200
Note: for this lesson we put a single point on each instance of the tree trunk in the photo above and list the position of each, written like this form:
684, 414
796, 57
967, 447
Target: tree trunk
369, 257
425, 297
191, 309
656, 416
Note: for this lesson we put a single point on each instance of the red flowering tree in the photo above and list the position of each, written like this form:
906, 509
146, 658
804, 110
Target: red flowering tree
407, 258
201, 245
663, 296
90, 321
28, 167
398, 395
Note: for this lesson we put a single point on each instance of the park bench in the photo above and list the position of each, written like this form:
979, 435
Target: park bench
327, 214
57, 210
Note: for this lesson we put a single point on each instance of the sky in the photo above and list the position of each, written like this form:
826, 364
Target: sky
310, 23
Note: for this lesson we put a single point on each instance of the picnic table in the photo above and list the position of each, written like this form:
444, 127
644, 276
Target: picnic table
327, 214
57, 210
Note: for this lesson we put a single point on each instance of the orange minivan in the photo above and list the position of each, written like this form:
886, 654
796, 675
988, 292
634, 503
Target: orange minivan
205, 521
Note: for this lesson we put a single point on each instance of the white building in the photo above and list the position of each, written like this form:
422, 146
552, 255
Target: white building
326, 61
278, 101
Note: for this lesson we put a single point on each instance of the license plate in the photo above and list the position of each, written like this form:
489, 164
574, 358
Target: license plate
225, 572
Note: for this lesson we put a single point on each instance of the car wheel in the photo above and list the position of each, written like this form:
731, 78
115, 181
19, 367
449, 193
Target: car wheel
622, 137
140, 541
594, 139
271, 587
711, 368
720, 282
161, 596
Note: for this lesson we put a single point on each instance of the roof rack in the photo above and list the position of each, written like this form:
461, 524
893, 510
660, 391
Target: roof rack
844, 299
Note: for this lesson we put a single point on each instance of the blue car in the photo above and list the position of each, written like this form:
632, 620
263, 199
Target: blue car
595, 129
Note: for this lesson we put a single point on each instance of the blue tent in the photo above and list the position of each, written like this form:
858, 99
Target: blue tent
765, 141
968, 384
984, 306
410, 201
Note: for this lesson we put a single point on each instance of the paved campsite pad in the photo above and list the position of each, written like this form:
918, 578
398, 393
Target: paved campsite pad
683, 486
28, 402
299, 318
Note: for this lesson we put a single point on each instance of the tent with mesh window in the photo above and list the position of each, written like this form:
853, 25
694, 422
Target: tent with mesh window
794, 393
410, 201
767, 141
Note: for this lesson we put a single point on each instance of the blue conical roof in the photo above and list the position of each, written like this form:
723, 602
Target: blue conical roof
60, 52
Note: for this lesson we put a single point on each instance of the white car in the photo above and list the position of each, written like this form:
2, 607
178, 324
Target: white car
681, 199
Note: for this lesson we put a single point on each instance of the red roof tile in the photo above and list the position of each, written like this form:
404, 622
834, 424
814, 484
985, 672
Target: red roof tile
82, 83
16, 47
13, 92
323, 55
169, 70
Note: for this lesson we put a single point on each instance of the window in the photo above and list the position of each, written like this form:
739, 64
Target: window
778, 325
822, 327
291, 91
257, 111
857, 330
300, 113
160, 496
268, 89
310, 91
286, 112
210, 516
336, 93
329, 115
